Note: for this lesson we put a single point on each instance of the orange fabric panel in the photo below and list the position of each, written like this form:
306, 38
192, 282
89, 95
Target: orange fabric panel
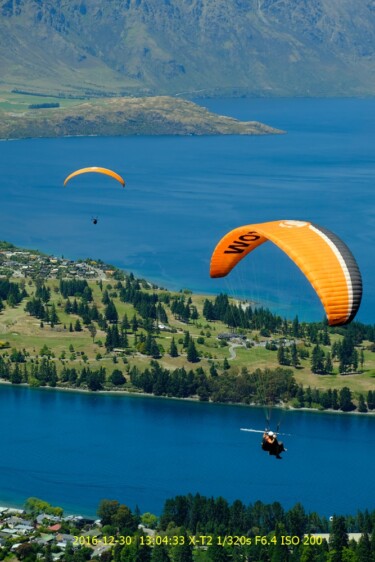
314, 254
98, 170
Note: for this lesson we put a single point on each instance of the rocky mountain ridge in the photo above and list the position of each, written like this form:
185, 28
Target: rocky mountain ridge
189, 47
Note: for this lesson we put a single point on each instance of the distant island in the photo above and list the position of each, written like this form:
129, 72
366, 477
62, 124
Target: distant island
160, 115
87, 325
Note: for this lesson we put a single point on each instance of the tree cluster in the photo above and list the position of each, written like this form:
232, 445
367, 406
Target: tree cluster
11, 292
239, 316
43, 372
75, 288
35, 307
88, 313
261, 386
332, 399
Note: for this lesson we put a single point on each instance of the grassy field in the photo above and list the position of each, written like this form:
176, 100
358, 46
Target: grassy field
20, 331
11, 101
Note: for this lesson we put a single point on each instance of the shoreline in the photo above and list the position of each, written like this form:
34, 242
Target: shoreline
21, 506
138, 394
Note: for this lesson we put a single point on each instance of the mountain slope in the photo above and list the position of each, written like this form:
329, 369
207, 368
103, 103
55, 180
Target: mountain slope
257, 47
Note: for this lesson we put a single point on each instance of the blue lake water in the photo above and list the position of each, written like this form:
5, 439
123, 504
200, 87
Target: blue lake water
184, 193
74, 449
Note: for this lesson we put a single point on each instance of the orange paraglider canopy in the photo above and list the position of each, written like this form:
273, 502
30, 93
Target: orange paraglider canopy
98, 170
324, 259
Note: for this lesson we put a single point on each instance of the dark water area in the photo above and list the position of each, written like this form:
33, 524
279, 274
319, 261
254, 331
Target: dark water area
74, 449
184, 193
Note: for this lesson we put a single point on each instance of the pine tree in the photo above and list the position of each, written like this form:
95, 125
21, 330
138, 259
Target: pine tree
326, 399
294, 356
186, 313
92, 329
371, 400
208, 310
53, 318
186, 341
125, 325
194, 313
173, 351
281, 355
317, 360
297, 520
155, 351
335, 399
347, 354
345, 400
213, 371
300, 396
328, 366
16, 376
363, 550
105, 297
325, 336
313, 333
134, 324
111, 314
192, 354
109, 340
335, 350
68, 307
361, 404
226, 365
161, 314
296, 332
124, 341
308, 397
338, 539
46, 315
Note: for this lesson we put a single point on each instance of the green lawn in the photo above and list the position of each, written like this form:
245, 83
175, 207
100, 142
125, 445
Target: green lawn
13, 102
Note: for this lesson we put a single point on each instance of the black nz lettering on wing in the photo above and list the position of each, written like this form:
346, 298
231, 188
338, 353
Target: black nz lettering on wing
243, 242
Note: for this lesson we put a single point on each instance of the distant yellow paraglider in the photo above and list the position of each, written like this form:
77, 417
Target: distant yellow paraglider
325, 260
98, 170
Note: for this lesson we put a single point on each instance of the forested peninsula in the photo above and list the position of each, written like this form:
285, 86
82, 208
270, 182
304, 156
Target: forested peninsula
27, 115
87, 325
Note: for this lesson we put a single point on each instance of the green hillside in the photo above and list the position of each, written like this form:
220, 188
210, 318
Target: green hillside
89, 326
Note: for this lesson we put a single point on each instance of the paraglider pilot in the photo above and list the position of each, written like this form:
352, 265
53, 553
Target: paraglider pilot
272, 445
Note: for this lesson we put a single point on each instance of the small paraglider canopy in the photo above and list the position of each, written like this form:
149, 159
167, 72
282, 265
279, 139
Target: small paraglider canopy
322, 256
98, 170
